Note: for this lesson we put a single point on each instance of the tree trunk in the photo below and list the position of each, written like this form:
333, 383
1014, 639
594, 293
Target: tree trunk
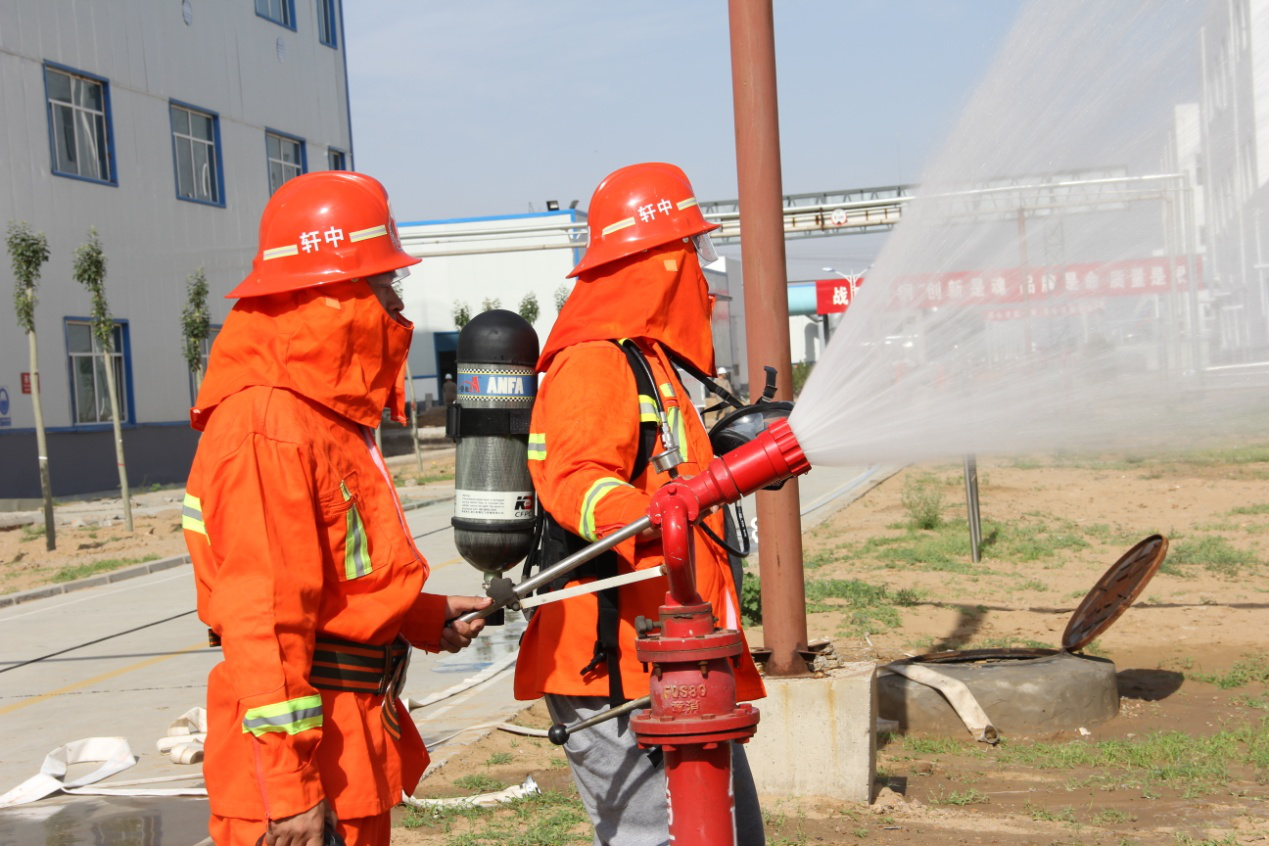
41, 445
414, 419
114, 419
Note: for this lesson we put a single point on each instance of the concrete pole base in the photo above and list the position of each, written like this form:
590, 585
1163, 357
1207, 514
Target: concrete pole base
818, 736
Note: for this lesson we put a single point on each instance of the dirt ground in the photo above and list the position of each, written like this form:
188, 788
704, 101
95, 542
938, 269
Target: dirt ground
1185, 762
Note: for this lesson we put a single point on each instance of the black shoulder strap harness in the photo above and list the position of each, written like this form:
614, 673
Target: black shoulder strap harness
557, 543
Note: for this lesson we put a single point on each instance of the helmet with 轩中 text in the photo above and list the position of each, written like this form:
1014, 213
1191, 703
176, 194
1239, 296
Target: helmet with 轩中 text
639, 207
320, 228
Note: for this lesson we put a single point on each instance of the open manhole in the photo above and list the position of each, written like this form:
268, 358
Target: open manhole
1028, 691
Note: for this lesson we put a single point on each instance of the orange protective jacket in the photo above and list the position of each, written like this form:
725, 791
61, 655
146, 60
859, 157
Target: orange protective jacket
583, 442
295, 529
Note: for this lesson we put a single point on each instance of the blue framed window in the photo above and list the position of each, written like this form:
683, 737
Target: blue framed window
80, 131
286, 158
326, 29
90, 400
196, 154
281, 12
336, 159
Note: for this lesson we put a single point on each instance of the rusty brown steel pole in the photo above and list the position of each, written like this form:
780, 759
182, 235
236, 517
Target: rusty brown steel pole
753, 75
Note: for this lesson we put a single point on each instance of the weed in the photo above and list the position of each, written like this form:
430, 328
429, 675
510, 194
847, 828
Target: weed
498, 758
923, 500
1112, 815
32, 531
81, 571
1183, 839
1033, 584
1248, 670
1065, 814
961, 798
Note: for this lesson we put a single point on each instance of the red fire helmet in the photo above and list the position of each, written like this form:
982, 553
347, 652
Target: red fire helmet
639, 207
320, 228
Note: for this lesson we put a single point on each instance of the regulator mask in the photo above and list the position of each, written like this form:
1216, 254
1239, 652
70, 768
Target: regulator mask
748, 422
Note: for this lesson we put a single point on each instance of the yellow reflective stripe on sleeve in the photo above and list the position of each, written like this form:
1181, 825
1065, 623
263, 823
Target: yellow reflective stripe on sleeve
292, 716
674, 419
537, 446
356, 544
192, 515
647, 409
597, 492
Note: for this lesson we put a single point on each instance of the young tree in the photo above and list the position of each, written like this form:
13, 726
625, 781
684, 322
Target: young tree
561, 297
490, 303
529, 308
462, 315
90, 271
29, 252
195, 324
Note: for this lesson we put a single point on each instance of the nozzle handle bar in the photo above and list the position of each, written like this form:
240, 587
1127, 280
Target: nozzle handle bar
566, 565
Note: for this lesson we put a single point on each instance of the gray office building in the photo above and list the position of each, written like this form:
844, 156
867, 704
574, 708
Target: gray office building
165, 125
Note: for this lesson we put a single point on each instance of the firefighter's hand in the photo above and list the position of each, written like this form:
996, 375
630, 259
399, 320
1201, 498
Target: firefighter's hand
457, 635
306, 829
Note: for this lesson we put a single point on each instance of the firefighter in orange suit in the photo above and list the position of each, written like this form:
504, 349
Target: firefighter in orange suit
640, 280
306, 571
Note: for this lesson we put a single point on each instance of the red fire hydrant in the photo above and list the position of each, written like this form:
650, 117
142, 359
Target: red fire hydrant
693, 714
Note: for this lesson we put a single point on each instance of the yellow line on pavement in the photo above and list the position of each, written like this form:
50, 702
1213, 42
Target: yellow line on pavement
9, 709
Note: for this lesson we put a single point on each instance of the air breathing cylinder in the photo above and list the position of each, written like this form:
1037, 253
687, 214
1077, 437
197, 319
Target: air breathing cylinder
494, 510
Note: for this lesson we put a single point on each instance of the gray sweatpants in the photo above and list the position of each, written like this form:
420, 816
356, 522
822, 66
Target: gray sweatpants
624, 791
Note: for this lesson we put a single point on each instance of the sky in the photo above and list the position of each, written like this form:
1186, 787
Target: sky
492, 107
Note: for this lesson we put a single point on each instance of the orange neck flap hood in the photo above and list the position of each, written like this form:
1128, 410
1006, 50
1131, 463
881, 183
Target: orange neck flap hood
333, 344
659, 294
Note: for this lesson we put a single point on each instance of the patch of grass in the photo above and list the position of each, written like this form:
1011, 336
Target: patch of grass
479, 783
498, 759
543, 819
1112, 815
1213, 552
1194, 765
1252, 669
1262, 508
32, 531
1033, 584
442, 818
1008, 643
867, 607
82, 571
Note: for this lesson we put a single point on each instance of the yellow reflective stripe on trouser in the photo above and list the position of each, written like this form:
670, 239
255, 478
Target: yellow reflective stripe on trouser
597, 492
292, 716
356, 544
537, 446
192, 515
647, 409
